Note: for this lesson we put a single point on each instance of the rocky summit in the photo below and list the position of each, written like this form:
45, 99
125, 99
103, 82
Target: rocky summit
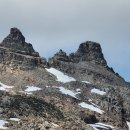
15, 51
89, 51
76, 91
15, 41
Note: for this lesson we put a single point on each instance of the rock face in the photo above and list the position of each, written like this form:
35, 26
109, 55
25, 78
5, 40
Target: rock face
89, 51
62, 56
14, 50
83, 62
15, 41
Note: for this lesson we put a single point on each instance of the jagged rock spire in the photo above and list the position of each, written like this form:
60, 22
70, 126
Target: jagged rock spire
15, 36
15, 41
15, 52
61, 55
89, 51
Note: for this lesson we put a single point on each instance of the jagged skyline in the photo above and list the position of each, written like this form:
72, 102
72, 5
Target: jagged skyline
51, 25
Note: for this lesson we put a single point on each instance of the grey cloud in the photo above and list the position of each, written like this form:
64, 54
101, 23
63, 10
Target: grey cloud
53, 24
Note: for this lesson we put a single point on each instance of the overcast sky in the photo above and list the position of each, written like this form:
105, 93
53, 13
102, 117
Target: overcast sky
53, 24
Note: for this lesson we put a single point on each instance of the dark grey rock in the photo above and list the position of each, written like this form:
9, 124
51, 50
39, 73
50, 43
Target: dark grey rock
15, 42
86, 64
89, 51
15, 51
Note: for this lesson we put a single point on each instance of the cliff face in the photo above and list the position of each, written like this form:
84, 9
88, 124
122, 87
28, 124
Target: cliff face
15, 51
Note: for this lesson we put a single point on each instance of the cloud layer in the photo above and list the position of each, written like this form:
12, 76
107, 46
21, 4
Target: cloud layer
51, 25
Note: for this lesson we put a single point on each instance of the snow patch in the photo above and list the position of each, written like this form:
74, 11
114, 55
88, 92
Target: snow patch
86, 82
91, 107
15, 119
98, 126
55, 125
68, 92
61, 77
90, 100
98, 91
2, 124
78, 90
25, 92
128, 123
102, 124
32, 89
47, 86
4, 87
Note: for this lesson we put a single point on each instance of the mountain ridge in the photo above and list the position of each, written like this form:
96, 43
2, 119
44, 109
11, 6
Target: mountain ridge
71, 83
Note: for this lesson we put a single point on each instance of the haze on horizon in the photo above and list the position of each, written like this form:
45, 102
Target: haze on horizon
53, 25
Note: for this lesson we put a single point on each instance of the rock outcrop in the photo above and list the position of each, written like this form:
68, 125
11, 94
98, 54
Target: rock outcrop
62, 56
15, 51
83, 62
35, 95
15, 41
89, 51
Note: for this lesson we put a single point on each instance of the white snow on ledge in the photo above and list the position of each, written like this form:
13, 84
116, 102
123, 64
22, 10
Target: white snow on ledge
32, 89
61, 77
68, 92
2, 124
15, 119
28, 93
86, 82
98, 126
91, 107
128, 123
98, 91
4, 87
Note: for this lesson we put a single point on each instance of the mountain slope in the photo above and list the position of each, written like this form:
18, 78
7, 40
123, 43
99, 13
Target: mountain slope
69, 92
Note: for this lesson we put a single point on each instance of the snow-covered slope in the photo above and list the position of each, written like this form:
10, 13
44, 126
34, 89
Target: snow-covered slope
98, 91
5, 87
91, 107
61, 77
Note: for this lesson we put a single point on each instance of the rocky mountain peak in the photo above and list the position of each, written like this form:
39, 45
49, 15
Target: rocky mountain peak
15, 42
61, 52
61, 55
15, 50
76, 91
89, 51
15, 36
88, 46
